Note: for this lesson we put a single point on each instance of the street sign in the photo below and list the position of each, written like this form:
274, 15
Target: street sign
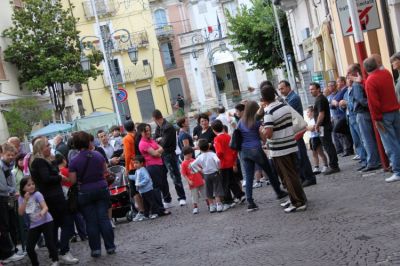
367, 13
122, 95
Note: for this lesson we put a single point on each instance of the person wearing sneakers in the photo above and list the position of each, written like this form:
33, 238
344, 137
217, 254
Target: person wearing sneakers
277, 130
195, 180
315, 144
227, 157
208, 163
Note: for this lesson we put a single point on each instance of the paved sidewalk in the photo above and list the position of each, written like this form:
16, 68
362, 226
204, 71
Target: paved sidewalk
351, 220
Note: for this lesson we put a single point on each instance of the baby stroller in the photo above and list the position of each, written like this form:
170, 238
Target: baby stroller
119, 190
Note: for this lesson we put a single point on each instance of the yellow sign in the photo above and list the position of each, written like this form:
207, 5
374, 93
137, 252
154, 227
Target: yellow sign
160, 81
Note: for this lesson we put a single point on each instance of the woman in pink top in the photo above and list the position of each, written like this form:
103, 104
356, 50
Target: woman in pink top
152, 152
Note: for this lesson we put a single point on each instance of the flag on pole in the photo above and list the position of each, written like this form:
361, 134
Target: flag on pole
209, 29
219, 27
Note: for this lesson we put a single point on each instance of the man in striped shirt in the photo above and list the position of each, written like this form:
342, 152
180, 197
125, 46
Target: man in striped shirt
278, 130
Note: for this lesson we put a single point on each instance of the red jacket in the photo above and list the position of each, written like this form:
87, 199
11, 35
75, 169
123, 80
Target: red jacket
226, 155
381, 95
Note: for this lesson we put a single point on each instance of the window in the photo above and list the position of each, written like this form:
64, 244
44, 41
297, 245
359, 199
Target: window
106, 36
160, 18
80, 107
168, 55
2, 72
116, 70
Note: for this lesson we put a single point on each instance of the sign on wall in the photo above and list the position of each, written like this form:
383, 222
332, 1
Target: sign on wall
367, 13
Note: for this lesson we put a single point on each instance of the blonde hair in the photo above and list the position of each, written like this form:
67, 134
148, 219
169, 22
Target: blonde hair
8, 147
38, 146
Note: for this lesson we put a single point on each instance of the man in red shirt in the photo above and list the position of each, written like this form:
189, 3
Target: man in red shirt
384, 108
228, 158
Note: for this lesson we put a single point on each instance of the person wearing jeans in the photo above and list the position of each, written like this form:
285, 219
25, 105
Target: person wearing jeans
251, 153
384, 108
87, 169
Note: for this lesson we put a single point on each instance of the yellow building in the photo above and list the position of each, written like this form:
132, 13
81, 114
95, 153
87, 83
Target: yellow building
142, 81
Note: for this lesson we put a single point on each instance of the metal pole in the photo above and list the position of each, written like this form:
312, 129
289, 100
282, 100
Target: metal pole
361, 56
106, 65
90, 97
290, 74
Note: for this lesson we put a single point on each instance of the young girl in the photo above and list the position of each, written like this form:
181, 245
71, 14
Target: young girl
315, 144
32, 203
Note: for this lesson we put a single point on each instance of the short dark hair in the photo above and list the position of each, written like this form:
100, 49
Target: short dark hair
268, 93
181, 121
310, 108
113, 128
265, 83
81, 140
284, 81
355, 68
99, 132
370, 64
204, 116
203, 144
139, 158
129, 126
217, 126
239, 107
343, 79
316, 84
187, 150
59, 159
221, 110
157, 114
91, 137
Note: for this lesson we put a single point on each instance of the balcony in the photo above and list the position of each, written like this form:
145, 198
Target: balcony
104, 8
165, 32
132, 74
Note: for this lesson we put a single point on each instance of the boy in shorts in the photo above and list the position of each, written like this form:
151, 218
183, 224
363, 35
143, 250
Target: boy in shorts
208, 163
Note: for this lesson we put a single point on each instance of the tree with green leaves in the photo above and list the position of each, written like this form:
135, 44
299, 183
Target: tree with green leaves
23, 114
254, 35
45, 48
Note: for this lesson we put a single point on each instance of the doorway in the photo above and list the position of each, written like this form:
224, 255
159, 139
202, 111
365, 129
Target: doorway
146, 103
227, 79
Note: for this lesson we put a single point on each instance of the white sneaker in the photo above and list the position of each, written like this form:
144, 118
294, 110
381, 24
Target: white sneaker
68, 259
139, 217
182, 202
243, 183
153, 216
112, 224
13, 258
355, 158
167, 205
263, 179
316, 170
323, 169
55, 263
292, 208
225, 207
285, 204
393, 178
257, 184
195, 210
213, 208
220, 207
232, 205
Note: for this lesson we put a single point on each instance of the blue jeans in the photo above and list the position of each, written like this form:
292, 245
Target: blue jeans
390, 139
171, 162
303, 162
368, 139
94, 205
358, 143
249, 158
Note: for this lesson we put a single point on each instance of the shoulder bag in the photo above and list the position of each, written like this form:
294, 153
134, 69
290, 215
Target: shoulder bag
236, 139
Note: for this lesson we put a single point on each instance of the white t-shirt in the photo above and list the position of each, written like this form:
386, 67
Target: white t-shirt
207, 161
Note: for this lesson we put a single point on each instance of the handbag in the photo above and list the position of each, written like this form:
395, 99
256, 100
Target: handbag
298, 123
72, 194
236, 139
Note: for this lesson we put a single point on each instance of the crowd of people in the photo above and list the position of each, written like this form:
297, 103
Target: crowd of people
222, 159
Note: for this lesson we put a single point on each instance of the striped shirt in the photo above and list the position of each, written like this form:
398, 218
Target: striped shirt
278, 116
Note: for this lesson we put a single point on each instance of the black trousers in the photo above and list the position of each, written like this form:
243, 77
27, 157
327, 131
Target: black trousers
230, 184
47, 230
151, 206
329, 148
158, 174
6, 244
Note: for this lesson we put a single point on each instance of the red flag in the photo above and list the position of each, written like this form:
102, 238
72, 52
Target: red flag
209, 29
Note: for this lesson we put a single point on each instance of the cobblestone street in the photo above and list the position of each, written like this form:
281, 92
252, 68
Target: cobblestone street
351, 220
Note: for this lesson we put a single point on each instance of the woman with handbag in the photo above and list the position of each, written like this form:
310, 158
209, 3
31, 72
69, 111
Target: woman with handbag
252, 153
87, 169
46, 176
